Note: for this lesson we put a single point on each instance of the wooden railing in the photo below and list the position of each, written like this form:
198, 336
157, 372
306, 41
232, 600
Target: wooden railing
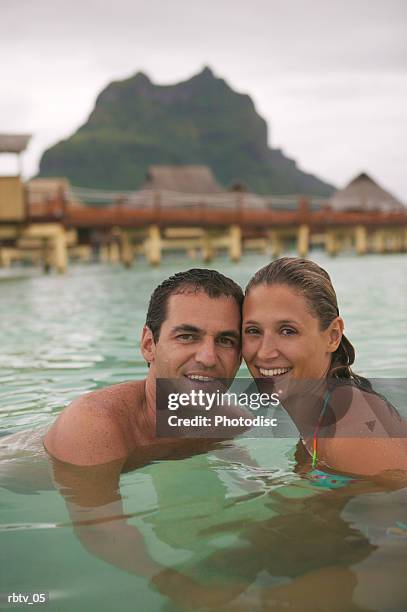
138, 209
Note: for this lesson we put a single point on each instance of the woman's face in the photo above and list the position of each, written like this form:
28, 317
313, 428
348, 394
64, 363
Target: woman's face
282, 338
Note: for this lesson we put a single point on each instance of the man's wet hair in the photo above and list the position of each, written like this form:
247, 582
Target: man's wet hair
212, 283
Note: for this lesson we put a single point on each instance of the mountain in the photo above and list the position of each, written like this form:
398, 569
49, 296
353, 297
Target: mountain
136, 123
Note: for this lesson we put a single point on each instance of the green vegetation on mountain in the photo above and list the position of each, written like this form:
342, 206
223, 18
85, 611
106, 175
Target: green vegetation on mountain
136, 124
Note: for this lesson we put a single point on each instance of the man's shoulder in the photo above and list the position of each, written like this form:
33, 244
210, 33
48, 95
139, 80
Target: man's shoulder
94, 427
111, 400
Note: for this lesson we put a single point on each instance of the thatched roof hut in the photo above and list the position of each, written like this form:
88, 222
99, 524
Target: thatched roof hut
43, 189
363, 193
183, 179
14, 143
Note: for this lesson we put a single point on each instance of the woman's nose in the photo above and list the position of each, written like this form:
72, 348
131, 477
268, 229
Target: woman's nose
268, 349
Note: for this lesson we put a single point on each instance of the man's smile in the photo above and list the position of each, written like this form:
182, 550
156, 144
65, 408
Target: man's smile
200, 377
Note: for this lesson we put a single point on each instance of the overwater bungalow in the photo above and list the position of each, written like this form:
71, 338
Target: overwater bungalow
365, 194
12, 206
182, 179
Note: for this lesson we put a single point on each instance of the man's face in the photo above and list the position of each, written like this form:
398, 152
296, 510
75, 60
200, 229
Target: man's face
199, 339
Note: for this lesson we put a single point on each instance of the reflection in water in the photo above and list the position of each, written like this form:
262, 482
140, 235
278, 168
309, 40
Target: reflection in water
226, 530
240, 537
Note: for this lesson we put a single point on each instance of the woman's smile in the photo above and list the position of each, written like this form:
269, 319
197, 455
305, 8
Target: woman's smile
270, 373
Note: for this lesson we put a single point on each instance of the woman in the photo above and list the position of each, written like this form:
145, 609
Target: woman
293, 341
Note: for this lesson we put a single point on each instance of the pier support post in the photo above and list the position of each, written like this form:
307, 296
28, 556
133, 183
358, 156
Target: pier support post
5, 258
379, 242
82, 252
46, 255
303, 240
400, 240
126, 249
276, 243
396, 241
235, 243
331, 243
51, 239
347, 241
208, 252
60, 252
360, 240
389, 241
153, 245
114, 253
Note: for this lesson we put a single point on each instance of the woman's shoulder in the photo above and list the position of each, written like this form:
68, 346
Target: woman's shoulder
366, 434
358, 410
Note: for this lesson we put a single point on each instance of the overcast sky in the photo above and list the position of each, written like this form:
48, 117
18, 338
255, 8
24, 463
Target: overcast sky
329, 76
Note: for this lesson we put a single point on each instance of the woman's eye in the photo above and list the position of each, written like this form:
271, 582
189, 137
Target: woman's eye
251, 331
288, 331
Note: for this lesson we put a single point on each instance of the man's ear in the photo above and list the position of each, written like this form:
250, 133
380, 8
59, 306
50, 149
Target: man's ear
335, 332
147, 344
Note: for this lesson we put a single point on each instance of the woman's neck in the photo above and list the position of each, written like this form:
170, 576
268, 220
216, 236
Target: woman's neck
304, 405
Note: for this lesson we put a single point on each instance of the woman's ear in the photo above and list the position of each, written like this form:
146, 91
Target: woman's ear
335, 333
147, 344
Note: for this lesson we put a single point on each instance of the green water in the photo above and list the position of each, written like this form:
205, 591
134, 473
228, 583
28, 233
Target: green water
234, 523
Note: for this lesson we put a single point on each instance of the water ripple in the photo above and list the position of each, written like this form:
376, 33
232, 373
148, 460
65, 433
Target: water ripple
56, 345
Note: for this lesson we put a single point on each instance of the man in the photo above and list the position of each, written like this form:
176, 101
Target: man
192, 331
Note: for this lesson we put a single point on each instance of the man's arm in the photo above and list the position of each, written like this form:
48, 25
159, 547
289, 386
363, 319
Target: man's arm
85, 435
93, 500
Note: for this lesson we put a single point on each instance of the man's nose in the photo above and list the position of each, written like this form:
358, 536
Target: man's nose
206, 353
268, 349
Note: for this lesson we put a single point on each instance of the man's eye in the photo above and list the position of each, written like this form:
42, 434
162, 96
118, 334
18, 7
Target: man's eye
226, 341
251, 331
186, 337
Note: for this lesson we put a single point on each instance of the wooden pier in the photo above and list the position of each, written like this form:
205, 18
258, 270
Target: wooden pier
55, 228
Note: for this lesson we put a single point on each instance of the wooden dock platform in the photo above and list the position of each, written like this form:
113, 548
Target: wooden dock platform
59, 227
